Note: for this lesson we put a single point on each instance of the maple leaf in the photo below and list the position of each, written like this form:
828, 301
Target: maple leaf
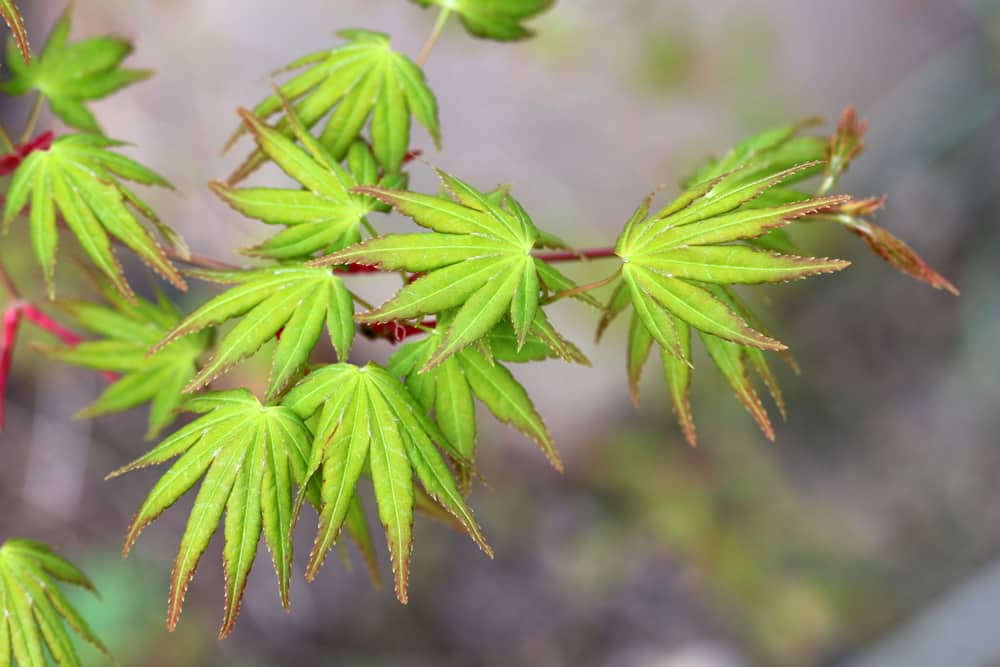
128, 330
69, 75
477, 259
494, 19
784, 147
448, 389
367, 420
669, 256
12, 17
35, 611
364, 78
324, 215
250, 455
733, 360
81, 179
293, 299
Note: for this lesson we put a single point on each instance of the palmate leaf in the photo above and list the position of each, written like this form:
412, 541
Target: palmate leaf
494, 19
364, 78
670, 256
477, 260
324, 215
12, 17
367, 420
127, 331
733, 360
448, 390
251, 456
293, 300
35, 612
81, 180
69, 75
784, 147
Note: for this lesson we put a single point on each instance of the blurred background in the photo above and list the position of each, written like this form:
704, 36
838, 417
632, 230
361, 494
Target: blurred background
869, 535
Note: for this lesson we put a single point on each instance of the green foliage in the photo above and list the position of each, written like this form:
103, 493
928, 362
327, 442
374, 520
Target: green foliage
368, 421
292, 300
679, 262
81, 180
323, 215
35, 612
476, 260
474, 287
364, 78
250, 456
448, 390
71, 74
12, 17
128, 329
501, 20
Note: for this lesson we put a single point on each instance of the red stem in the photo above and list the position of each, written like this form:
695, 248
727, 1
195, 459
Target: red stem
576, 255
43, 321
11, 322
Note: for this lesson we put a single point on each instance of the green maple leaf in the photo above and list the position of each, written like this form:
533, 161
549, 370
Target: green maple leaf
733, 360
367, 420
364, 78
322, 216
250, 455
670, 256
35, 612
494, 19
477, 259
128, 330
12, 17
292, 299
69, 75
81, 180
448, 389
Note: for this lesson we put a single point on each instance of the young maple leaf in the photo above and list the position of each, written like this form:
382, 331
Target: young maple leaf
128, 331
250, 455
322, 216
79, 178
368, 420
35, 612
670, 255
494, 19
292, 299
448, 390
477, 259
69, 75
732, 359
364, 78
12, 17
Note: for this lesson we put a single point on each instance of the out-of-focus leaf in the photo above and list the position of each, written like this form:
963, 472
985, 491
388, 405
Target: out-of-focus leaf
362, 79
294, 300
35, 612
71, 74
81, 179
12, 17
367, 420
501, 20
250, 456
127, 331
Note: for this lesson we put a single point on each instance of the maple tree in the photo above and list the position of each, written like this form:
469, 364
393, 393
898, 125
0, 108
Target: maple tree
474, 290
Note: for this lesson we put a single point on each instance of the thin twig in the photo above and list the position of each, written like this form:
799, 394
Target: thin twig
36, 110
576, 255
580, 289
8, 284
5, 140
433, 38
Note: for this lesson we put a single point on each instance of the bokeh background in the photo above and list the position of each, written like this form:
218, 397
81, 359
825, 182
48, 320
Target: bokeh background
869, 535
